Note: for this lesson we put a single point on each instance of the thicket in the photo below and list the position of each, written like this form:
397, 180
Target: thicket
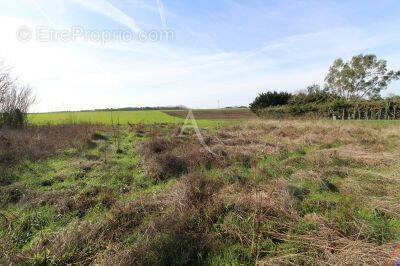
265, 100
15, 100
352, 90
388, 109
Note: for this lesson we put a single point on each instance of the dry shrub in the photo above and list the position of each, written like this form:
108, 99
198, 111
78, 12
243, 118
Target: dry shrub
171, 158
82, 202
37, 142
59, 198
193, 192
159, 161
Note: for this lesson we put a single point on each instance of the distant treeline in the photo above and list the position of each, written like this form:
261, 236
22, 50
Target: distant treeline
147, 108
352, 90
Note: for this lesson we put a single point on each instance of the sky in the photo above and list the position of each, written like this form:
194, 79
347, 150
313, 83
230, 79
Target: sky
221, 53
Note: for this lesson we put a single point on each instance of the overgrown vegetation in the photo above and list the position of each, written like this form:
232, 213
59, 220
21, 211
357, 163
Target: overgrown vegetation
269, 99
35, 143
260, 192
270, 193
15, 100
352, 90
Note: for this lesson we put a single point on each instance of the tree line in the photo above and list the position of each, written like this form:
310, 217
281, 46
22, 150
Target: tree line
352, 90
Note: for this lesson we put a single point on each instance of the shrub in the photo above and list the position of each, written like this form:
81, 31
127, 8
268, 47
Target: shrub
269, 99
313, 94
166, 158
15, 100
339, 108
14, 118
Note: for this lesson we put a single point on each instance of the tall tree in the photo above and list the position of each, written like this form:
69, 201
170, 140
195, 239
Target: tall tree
363, 77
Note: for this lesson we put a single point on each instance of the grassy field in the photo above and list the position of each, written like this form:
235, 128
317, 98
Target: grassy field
270, 193
127, 117
122, 117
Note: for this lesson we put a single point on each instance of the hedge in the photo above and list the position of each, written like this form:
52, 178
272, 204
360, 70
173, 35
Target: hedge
355, 110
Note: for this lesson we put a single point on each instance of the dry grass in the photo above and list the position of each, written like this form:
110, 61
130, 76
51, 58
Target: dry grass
164, 225
332, 246
273, 193
164, 158
34, 143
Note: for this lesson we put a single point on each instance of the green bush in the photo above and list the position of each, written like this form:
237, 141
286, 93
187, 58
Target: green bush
269, 99
341, 109
14, 119
313, 94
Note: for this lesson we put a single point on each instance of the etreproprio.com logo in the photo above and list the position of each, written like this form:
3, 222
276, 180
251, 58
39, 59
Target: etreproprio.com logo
79, 33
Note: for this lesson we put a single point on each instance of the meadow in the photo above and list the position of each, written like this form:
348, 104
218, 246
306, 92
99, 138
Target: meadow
270, 192
132, 117
104, 117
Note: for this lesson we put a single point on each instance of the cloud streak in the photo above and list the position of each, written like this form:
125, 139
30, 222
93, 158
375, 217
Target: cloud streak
41, 11
107, 9
161, 10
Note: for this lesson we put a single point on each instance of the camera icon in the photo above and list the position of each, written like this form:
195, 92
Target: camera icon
24, 34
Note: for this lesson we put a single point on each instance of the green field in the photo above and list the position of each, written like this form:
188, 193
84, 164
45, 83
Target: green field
122, 117
115, 117
203, 118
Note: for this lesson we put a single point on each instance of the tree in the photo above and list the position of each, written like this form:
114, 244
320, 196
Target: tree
269, 99
313, 94
15, 100
364, 77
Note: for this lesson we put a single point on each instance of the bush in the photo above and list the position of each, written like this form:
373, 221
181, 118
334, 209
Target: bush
270, 99
313, 94
14, 118
15, 100
339, 108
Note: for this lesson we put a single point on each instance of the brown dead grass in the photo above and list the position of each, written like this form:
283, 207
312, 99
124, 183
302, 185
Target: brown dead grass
332, 149
172, 226
37, 142
178, 224
332, 246
164, 158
